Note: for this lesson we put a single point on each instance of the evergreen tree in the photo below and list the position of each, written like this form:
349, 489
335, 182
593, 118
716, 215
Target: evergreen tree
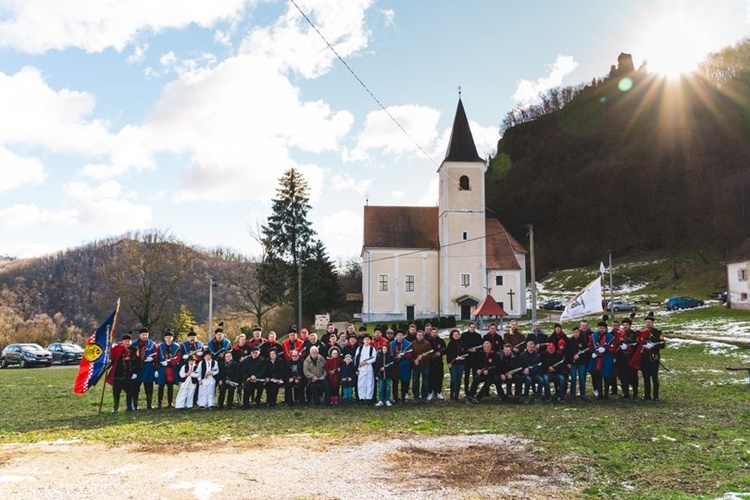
288, 235
320, 283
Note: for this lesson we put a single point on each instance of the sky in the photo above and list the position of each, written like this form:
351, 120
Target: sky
182, 115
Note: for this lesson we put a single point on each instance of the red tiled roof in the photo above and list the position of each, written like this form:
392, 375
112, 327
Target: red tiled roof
401, 227
501, 246
489, 307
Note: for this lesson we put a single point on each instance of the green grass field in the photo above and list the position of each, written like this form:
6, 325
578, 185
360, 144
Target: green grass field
695, 443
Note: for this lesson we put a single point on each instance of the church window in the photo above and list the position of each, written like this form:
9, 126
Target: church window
463, 183
501, 304
465, 280
498, 281
409, 282
382, 282
742, 274
466, 235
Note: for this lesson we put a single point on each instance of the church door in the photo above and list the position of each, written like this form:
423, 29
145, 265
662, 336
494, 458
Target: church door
465, 312
410, 313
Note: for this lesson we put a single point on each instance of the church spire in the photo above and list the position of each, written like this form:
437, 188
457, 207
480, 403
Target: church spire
461, 146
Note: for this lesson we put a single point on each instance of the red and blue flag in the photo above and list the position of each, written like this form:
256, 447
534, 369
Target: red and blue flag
95, 355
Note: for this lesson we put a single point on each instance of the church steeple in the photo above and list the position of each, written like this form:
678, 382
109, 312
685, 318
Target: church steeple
461, 146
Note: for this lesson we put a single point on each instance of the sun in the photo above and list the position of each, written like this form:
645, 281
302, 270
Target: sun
675, 40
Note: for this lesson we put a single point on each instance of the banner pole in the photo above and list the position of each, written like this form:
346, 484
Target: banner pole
109, 347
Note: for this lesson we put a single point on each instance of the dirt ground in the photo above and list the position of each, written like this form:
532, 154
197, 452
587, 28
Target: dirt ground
471, 466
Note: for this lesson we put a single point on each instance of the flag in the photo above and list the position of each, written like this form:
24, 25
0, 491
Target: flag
588, 301
95, 356
602, 269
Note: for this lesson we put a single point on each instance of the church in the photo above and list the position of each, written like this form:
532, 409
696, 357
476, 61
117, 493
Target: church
425, 262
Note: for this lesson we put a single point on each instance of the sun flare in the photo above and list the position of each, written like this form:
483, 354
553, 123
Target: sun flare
675, 40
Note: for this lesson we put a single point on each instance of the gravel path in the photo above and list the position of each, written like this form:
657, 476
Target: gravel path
289, 467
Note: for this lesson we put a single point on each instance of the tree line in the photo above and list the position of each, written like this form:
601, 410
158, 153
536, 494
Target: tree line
164, 283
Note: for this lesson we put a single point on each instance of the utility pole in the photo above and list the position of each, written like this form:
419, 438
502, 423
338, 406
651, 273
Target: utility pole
611, 290
533, 273
299, 295
210, 306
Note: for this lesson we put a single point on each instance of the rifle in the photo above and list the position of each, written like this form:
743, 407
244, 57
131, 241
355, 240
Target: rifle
419, 358
519, 344
476, 347
274, 380
231, 383
595, 354
521, 368
402, 353
558, 363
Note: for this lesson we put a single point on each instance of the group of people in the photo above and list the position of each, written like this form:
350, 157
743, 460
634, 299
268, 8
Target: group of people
385, 367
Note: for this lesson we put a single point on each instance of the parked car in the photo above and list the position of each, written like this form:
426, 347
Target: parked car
554, 305
622, 305
65, 353
674, 303
25, 355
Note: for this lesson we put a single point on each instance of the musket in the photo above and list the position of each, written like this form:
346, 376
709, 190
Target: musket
521, 368
558, 363
425, 354
274, 380
519, 344
232, 383
402, 353
595, 354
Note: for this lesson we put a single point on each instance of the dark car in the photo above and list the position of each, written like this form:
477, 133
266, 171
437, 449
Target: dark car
25, 355
65, 353
554, 305
675, 303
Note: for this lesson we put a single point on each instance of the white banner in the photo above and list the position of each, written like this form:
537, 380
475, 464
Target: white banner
588, 301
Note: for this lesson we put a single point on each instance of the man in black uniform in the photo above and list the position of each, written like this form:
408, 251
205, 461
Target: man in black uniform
123, 375
485, 372
627, 341
509, 361
471, 339
651, 343
253, 373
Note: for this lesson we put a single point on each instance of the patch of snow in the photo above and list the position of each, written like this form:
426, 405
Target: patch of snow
668, 438
202, 489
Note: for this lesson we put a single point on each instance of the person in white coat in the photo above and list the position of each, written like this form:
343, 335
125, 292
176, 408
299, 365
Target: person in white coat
189, 374
364, 359
208, 369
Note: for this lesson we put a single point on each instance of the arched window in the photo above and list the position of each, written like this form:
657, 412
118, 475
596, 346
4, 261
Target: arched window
463, 183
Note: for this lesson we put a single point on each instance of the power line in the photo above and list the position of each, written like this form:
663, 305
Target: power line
380, 104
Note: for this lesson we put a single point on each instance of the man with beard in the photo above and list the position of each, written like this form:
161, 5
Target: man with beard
514, 337
436, 365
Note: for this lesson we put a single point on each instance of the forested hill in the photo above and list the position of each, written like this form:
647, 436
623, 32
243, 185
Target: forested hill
632, 163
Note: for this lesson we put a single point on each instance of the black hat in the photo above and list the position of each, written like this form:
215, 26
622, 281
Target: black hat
208, 352
628, 321
143, 330
556, 325
400, 330
218, 330
602, 323
256, 328
127, 336
650, 316
192, 333
168, 333
292, 329
363, 328
256, 348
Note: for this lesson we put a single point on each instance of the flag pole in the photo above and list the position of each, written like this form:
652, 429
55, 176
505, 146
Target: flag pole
111, 339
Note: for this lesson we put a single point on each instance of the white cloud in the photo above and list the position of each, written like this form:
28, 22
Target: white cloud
139, 53
25, 216
16, 171
430, 196
82, 191
116, 216
527, 91
295, 46
36, 26
343, 182
398, 195
336, 231
389, 16
485, 140
381, 133
237, 123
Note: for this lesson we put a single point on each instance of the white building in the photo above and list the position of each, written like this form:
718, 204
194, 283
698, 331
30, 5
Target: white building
738, 271
422, 262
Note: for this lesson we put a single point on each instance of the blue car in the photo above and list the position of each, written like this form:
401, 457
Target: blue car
675, 303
